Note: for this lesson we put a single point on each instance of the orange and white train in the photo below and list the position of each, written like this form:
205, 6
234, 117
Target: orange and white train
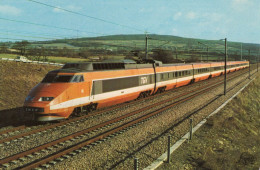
78, 87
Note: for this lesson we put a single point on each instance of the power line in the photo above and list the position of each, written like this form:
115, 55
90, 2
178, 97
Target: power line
44, 34
88, 16
49, 26
163, 44
28, 36
16, 39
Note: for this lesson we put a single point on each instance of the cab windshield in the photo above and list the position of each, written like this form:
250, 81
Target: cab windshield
54, 78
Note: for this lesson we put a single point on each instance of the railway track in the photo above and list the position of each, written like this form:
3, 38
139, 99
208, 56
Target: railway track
74, 120
72, 150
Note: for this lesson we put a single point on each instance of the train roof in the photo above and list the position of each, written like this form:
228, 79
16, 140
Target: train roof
90, 67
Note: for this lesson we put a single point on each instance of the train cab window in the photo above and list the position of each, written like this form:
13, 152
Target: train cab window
77, 78
81, 78
49, 78
63, 79
54, 78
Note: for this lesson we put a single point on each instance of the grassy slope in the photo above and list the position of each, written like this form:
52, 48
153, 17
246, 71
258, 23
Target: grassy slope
229, 140
16, 80
14, 56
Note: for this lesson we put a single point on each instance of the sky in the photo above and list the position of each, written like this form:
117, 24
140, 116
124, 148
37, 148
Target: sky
236, 20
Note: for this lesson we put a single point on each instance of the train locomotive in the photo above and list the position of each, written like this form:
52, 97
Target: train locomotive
83, 87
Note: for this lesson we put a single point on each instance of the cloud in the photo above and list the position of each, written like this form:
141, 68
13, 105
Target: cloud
9, 10
174, 31
241, 5
73, 8
177, 15
212, 17
57, 10
191, 15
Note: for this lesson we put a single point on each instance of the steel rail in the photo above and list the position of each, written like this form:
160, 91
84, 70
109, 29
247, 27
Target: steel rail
103, 135
12, 129
75, 119
82, 117
101, 125
14, 157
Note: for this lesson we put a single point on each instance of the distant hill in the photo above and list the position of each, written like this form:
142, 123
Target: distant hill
179, 47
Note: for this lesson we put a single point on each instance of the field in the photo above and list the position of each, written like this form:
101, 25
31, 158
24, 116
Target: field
182, 49
51, 59
229, 140
8, 56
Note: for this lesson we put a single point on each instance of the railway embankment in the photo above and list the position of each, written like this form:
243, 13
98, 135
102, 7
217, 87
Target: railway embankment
16, 80
145, 140
229, 140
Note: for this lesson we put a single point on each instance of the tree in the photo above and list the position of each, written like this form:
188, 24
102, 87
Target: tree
3, 48
165, 56
21, 46
84, 53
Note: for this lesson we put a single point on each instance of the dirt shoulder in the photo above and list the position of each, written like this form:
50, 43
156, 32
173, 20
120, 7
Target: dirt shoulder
229, 140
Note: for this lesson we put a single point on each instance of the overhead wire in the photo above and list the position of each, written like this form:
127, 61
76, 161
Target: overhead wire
46, 38
88, 16
49, 26
44, 34
16, 39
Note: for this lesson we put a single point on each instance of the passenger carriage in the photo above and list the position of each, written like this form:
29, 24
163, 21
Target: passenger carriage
84, 87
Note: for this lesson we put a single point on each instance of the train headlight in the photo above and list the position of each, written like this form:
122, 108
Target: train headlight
46, 98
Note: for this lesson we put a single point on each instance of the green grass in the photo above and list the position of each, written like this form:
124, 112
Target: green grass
50, 58
57, 45
8, 56
229, 140
53, 59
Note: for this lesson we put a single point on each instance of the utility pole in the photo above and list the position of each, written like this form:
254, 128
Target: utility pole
241, 52
207, 54
176, 53
207, 50
249, 62
256, 63
258, 59
146, 46
77, 35
225, 79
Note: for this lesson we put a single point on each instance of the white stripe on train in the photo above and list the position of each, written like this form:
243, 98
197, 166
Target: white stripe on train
98, 97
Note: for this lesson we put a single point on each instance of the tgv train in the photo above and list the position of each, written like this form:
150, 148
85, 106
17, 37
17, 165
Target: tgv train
83, 87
